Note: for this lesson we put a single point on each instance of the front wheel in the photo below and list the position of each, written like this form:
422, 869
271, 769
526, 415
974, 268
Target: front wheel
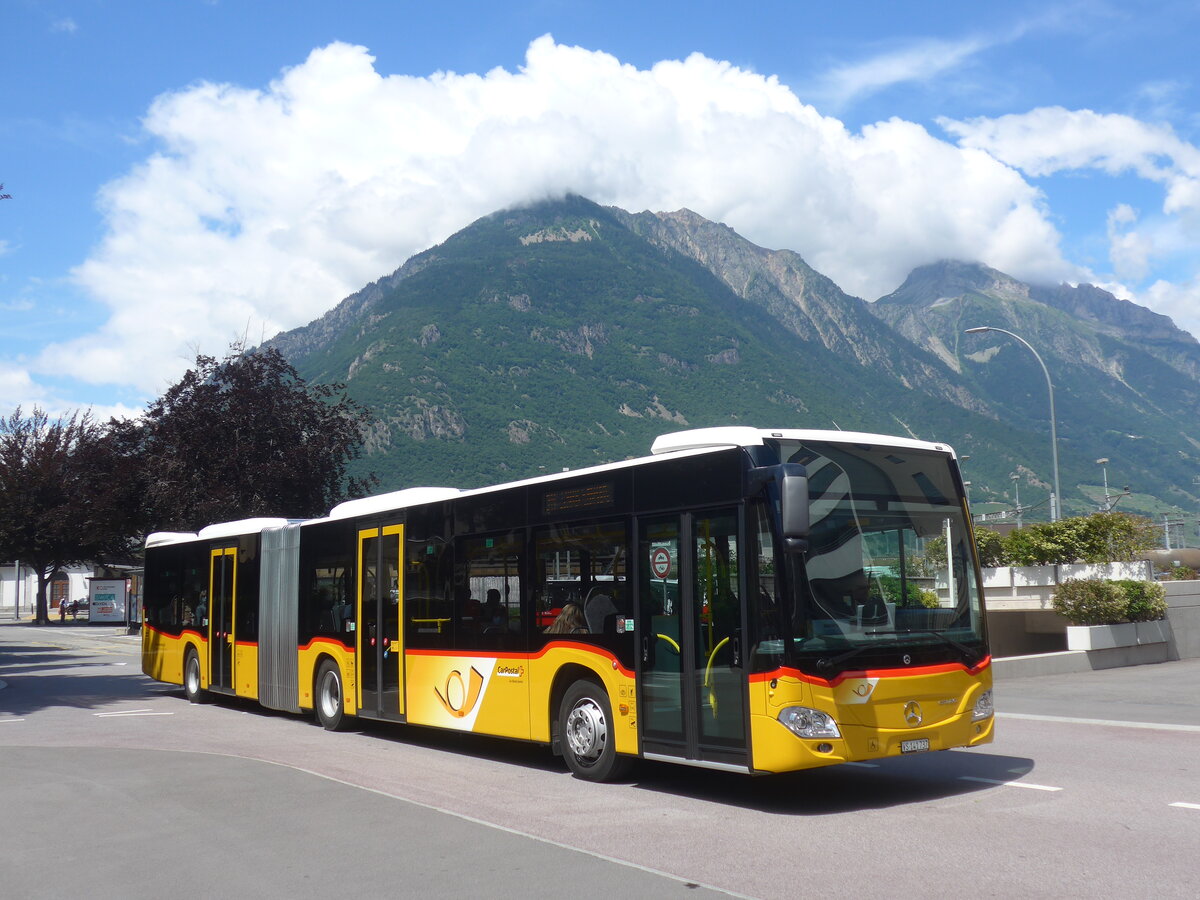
585, 729
328, 701
191, 678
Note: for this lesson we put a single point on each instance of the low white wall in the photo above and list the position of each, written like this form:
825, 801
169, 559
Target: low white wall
1183, 612
1021, 620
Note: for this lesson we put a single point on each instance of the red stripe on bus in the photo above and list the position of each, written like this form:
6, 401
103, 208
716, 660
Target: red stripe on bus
873, 673
176, 637
325, 640
570, 645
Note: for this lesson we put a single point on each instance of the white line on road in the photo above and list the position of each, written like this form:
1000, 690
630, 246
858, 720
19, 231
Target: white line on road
2, 721
126, 713
1020, 784
1112, 723
1186, 805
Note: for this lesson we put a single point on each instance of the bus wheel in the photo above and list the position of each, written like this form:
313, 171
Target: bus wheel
585, 729
191, 678
329, 701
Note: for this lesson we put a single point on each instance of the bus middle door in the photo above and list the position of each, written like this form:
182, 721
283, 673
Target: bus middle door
380, 648
222, 583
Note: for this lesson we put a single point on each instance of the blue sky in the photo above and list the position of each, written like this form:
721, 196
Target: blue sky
186, 173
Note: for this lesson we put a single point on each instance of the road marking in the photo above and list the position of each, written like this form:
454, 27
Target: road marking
1186, 805
1112, 723
1020, 784
688, 882
2, 721
125, 713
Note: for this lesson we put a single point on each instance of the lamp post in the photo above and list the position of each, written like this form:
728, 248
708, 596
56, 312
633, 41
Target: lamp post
1056, 497
1102, 462
1017, 487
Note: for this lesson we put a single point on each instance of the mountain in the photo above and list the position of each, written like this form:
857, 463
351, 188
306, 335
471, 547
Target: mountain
1125, 379
565, 333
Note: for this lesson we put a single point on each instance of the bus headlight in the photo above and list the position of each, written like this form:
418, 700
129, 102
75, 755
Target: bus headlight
808, 723
983, 707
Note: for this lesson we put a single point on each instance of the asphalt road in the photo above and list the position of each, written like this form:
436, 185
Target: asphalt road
113, 785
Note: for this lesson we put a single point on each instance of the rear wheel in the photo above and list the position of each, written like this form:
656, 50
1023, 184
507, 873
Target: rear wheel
329, 700
585, 730
191, 678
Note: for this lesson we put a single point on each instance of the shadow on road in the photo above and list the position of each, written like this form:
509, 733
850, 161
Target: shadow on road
840, 789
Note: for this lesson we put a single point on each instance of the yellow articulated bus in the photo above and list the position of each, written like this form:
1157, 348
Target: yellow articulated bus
748, 600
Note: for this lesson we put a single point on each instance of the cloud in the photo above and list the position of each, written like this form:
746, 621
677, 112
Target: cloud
921, 61
1051, 140
65, 26
264, 207
1180, 301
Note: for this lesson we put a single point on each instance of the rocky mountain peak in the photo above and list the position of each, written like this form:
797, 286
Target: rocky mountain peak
949, 278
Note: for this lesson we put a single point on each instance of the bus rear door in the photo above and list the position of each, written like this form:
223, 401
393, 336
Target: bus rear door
380, 650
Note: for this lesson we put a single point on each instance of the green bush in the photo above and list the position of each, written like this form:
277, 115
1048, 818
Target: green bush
929, 600
1145, 601
1090, 601
1094, 601
1183, 573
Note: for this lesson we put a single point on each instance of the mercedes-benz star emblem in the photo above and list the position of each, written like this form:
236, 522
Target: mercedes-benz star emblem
912, 713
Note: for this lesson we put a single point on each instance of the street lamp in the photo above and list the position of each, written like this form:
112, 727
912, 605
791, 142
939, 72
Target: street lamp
1056, 497
1102, 462
1017, 487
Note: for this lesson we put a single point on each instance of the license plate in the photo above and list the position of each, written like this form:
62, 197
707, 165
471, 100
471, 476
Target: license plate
914, 746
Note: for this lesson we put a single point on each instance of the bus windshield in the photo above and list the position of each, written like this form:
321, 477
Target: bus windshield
889, 577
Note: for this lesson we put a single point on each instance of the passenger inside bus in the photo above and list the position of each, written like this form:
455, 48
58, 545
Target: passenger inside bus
494, 614
569, 621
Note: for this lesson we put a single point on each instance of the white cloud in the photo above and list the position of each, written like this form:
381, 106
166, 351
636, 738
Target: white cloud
921, 61
1050, 140
264, 207
17, 387
1179, 301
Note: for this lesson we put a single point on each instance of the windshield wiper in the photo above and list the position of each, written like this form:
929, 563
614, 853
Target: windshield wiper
968, 653
827, 662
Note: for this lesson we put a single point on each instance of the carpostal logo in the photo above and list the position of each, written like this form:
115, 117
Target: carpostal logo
459, 697
510, 671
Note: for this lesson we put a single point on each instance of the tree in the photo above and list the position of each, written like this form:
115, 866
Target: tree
247, 436
63, 501
990, 546
1098, 538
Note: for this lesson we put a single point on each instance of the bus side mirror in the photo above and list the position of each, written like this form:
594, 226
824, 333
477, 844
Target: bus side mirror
793, 506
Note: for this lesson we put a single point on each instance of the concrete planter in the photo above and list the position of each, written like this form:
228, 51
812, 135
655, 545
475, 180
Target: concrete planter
1106, 637
1158, 632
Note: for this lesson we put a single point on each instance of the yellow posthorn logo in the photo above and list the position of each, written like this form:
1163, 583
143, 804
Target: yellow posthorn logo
460, 699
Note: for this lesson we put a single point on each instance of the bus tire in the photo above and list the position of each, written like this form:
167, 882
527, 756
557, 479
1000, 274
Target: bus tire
328, 699
191, 678
585, 730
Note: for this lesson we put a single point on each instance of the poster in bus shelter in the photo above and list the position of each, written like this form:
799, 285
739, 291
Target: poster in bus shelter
106, 600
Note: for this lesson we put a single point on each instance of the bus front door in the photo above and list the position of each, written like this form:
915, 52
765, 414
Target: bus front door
380, 648
222, 583
691, 680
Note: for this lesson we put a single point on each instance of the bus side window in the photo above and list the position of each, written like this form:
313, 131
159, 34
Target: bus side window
428, 591
586, 565
490, 608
